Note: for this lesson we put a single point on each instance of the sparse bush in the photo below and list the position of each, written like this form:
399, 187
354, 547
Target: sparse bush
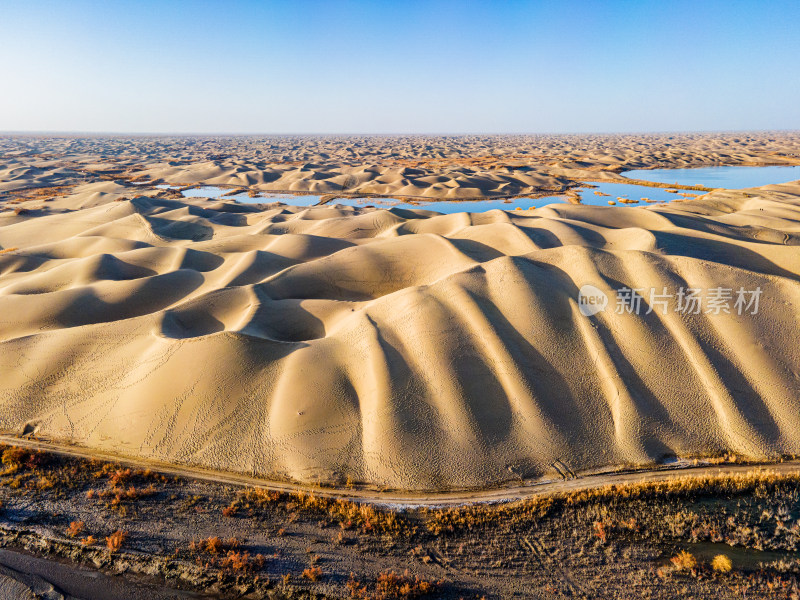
242, 562
600, 531
45, 483
721, 563
120, 476
312, 574
684, 561
115, 540
75, 529
259, 497
214, 545
390, 585
13, 458
16, 459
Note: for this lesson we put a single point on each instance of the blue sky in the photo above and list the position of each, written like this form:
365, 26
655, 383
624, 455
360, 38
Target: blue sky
387, 67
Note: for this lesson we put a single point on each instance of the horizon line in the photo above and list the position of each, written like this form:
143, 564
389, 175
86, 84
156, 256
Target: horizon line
45, 132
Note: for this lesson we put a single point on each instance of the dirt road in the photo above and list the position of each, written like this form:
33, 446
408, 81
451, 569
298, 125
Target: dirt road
402, 499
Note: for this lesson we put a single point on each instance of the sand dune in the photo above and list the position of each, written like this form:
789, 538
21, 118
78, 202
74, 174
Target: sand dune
425, 167
395, 347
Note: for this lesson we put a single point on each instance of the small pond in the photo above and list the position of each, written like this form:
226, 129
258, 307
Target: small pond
732, 178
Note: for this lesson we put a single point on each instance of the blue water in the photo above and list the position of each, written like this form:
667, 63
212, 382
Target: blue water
209, 191
732, 178
449, 207
712, 177
630, 192
443, 206
285, 199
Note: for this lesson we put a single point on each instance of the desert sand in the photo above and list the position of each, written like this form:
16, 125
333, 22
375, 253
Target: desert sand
442, 167
395, 348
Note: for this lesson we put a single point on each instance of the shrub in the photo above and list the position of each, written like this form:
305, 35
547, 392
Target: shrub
115, 540
120, 476
600, 531
45, 483
75, 529
259, 497
684, 561
214, 545
312, 574
242, 561
13, 458
721, 563
391, 585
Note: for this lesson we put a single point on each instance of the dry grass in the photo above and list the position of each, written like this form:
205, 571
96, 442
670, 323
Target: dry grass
121, 486
443, 521
214, 545
349, 515
673, 187
687, 485
19, 459
752, 510
215, 552
389, 585
45, 482
42, 193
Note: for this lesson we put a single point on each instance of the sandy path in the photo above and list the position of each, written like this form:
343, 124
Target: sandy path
432, 499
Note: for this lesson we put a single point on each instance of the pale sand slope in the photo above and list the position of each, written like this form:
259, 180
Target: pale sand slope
397, 347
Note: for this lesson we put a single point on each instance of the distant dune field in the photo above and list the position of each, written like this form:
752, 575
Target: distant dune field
396, 348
